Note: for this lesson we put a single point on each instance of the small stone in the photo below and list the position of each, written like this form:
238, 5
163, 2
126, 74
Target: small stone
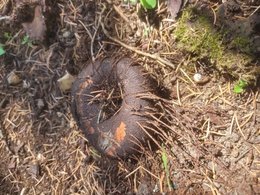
66, 81
200, 79
197, 77
13, 78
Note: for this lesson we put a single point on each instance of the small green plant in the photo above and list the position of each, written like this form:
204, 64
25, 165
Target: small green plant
242, 43
26, 40
166, 168
148, 4
2, 51
7, 35
146, 31
195, 33
198, 38
240, 86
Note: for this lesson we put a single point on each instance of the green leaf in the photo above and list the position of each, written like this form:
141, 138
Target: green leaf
240, 86
166, 168
146, 32
165, 160
25, 40
238, 89
148, 4
242, 83
2, 51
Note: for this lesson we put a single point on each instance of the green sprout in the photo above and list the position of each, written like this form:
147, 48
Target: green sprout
166, 168
148, 4
2, 51
146, 31
194, 33
242, 43
26, 40
240, 86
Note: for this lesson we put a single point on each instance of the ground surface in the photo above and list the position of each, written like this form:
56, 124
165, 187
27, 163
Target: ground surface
211, 141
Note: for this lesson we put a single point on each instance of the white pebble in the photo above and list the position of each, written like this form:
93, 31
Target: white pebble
197, 77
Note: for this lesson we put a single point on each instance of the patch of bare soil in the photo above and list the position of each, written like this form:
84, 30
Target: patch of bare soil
209, 136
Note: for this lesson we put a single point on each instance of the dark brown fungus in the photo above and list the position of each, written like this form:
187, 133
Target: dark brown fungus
108, 107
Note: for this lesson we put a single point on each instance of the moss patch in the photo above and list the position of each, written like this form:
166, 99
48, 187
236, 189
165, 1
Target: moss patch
195, 33
242, 43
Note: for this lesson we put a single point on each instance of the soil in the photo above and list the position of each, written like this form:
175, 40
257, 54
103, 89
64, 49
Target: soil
208, 141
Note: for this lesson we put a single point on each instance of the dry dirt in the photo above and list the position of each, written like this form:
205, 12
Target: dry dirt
210, 136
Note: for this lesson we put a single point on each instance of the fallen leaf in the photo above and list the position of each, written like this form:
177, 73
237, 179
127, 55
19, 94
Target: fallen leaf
13, 78
148, 4
174, 7
120, 133
65, 82
2, 51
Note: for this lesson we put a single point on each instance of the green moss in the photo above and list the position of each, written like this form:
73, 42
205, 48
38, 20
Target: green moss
241, 43
195, 33
197, 36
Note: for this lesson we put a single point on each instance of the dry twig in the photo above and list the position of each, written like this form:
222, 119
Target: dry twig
152, 56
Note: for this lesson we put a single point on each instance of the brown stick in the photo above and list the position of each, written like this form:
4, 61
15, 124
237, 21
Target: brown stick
152, 56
